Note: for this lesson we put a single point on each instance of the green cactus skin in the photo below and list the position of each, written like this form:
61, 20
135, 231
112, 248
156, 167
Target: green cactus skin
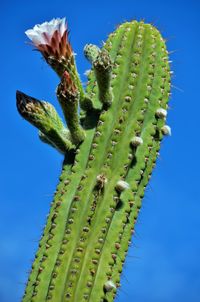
96, 204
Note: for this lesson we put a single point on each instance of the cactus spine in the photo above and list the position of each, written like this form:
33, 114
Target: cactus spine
108, 162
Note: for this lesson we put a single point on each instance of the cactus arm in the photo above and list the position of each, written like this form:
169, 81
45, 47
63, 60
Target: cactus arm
103, 73
44, 116
97, 201
68, 96
112, 45
84, 102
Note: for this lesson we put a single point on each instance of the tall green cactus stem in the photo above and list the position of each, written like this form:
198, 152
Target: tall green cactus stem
96, 204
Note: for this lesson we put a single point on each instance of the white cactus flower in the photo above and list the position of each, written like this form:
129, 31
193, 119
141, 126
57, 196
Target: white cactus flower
161, 113
136, 141
166, 130
122, 185
51, 39
42, 33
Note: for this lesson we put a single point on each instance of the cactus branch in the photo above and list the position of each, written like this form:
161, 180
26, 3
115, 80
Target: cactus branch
44, 116
68, 96
103, 72
101, 62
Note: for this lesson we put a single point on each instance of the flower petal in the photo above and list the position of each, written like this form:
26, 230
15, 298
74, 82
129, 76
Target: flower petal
35, 37
42, 33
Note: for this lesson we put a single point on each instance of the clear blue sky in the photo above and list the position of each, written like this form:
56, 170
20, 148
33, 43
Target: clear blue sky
163, 263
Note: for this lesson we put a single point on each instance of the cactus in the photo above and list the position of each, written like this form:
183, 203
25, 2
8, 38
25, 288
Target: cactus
109, 150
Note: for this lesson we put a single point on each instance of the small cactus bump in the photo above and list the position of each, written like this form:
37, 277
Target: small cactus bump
166, 130
161, 113
122, 185
136, 141
101, 180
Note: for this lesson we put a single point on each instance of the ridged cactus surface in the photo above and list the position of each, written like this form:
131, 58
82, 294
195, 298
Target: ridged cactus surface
110, 150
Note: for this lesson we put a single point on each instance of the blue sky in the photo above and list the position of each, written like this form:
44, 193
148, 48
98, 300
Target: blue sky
163, 263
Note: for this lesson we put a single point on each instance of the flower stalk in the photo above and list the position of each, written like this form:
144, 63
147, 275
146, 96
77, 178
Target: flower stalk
68, 96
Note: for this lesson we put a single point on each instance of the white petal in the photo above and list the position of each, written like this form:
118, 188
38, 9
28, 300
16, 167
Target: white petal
63, 26
36, 34
35, 37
